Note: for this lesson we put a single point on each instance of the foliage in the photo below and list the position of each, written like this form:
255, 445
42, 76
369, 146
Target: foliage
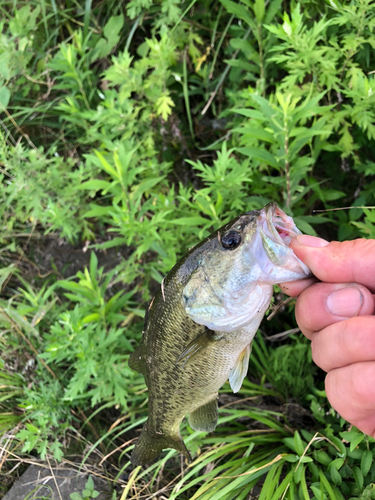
88, 492
134, 130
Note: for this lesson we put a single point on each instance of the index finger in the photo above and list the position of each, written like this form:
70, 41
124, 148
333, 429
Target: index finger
337, 262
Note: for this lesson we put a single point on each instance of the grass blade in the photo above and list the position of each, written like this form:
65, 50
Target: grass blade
86, 19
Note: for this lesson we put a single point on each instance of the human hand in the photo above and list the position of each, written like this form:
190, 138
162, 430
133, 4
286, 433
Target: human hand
337, 315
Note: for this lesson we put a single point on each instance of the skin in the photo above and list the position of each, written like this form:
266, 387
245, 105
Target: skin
337, 315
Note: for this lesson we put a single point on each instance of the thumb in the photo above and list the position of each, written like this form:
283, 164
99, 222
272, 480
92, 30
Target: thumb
338, 262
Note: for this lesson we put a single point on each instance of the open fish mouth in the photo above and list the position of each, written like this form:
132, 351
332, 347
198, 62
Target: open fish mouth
277, 231
280, 226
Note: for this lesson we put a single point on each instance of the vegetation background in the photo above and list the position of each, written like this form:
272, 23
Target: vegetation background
128, 132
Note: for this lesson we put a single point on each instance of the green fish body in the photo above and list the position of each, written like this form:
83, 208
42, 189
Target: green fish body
200, 325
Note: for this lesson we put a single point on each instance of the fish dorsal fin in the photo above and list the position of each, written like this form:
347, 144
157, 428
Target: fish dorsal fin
137, 360
239, 371
204, 418
197, 346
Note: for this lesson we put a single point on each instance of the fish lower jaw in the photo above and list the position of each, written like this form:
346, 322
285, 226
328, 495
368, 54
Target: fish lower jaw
235, 315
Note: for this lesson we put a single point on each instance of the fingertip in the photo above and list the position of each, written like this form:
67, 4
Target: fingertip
337, 262
295, 288
309, 241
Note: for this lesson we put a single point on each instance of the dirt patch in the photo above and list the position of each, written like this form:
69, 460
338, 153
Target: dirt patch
67, 259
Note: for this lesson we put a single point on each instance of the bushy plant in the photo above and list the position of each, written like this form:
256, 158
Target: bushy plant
138, 129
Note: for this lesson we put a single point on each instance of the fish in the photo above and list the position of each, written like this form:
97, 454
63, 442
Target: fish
200, 325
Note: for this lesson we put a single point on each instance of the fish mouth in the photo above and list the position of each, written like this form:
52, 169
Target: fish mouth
279, 226
277, 231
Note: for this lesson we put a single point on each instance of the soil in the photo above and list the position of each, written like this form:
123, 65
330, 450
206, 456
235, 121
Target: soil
58, 254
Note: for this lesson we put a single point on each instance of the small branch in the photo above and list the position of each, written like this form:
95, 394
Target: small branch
223, 76
54, 478
279, 336
288, 189
287, 170
277, 307
261, 58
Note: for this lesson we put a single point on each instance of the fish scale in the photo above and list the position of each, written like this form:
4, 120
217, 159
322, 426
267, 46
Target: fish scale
200, 325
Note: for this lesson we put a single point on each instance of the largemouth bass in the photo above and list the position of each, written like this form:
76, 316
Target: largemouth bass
199, 327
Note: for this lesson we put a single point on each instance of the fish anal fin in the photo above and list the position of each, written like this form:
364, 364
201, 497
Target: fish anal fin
151, 444
205, 417
137, 361
197, 346
239, 371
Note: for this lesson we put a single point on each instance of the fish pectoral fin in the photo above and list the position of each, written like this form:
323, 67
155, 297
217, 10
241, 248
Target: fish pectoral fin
137, 361
239, 371
198, 345
205, 417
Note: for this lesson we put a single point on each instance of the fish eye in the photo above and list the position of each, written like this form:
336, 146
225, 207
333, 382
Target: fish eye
231, 240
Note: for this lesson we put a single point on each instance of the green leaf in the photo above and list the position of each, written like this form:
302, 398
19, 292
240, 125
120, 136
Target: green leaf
304, 226
338, 463
75, 496
32, 428
356, 213
290, 443
300, 448
261, 155
250, 113
95, 185
93, 267
291, 458
366, 462
358, 476
146, 185
333, 194
327, 486
246, 66
98, 211
87, 17
4, 98
91, 318
248, 50
115, 242
256, 132
190, 221
322, 457
239, 11
259, 10
113, 27
106, 166
335, 476
304, 490
272, 9
298, 473
164, 106
5, 272
354, 436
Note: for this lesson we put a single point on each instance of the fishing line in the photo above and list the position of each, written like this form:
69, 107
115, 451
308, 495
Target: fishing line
342, 208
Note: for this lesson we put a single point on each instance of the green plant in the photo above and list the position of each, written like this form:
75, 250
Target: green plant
88, 492
135, 132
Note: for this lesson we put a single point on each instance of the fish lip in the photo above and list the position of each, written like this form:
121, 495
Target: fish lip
280, 226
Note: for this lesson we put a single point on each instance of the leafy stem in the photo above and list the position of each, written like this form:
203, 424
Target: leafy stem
287, 165
261, 59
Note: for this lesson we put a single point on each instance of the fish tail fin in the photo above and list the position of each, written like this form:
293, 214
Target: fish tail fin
150, 445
